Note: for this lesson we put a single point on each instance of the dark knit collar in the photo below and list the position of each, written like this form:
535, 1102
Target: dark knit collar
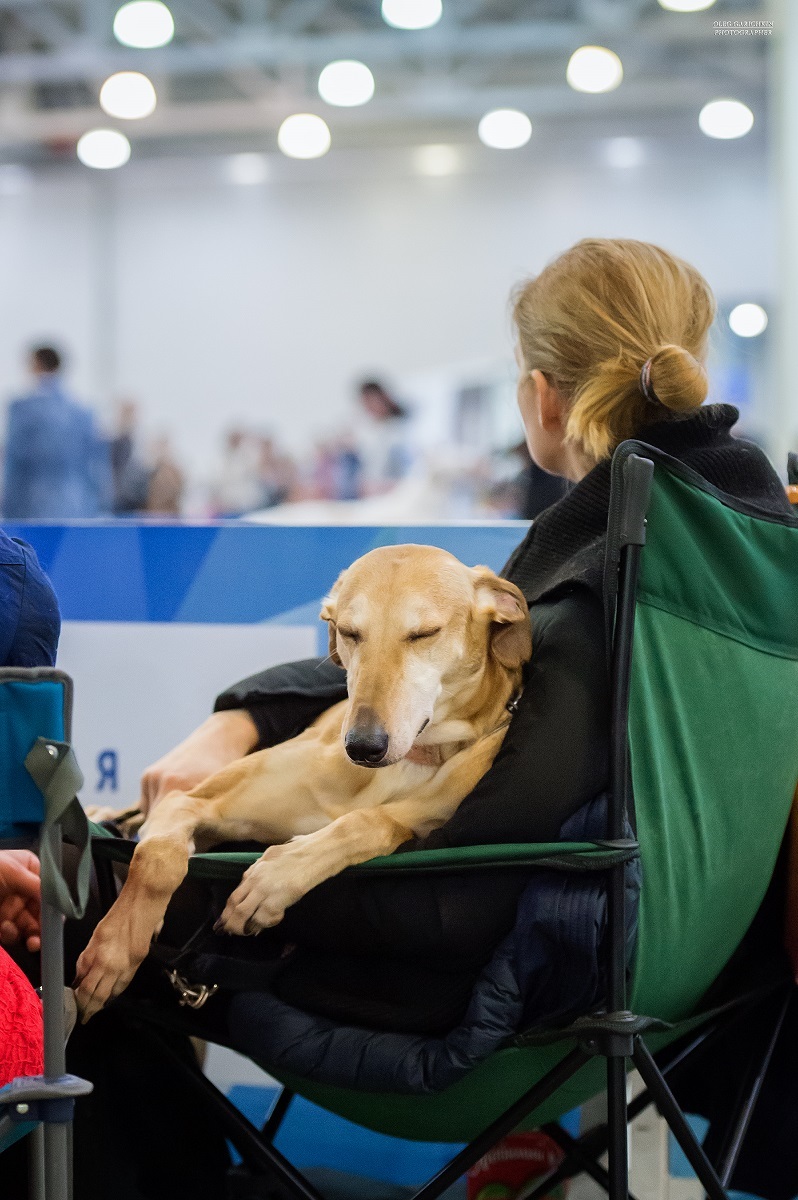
565, 545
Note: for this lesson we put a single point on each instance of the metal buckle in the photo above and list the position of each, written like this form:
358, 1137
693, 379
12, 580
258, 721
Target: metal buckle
192, 995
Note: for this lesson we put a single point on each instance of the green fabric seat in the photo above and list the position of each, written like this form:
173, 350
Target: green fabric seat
714, 764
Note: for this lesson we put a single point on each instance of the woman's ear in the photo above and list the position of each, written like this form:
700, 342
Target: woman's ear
505, 607
550, 403
328, 610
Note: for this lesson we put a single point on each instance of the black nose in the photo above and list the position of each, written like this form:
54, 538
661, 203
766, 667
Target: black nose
366, 744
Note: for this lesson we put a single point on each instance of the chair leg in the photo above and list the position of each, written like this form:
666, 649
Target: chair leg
677, 1122
277, 1115
732, 1143
36, 1188
595, 1141
55, 1134
579, 1158
618, 1133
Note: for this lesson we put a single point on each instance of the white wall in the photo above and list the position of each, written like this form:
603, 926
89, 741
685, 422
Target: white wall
213, 303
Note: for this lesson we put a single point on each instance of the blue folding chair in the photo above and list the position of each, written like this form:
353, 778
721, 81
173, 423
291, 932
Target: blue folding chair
39, 781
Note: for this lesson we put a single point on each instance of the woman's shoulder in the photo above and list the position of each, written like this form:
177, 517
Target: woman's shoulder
12, 551
30, 621
570, 618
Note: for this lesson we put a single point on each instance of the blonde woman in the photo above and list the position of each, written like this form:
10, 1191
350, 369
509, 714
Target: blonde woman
611, 343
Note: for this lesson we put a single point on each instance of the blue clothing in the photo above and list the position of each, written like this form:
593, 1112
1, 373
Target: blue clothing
57, 465
29, 618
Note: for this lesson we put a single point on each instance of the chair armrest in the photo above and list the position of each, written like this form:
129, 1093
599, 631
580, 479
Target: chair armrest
563, 856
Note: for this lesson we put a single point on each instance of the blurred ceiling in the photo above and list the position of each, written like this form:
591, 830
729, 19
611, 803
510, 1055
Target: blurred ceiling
237, 68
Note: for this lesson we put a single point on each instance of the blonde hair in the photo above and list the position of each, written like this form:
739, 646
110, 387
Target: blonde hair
593, 318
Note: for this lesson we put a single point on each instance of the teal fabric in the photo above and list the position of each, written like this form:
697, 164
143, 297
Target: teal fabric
27, 711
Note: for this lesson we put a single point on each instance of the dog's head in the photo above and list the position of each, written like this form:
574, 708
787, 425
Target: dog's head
413, 625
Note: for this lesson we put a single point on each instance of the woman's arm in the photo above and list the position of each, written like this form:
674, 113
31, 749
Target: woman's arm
282, 701
219, 740
260, 711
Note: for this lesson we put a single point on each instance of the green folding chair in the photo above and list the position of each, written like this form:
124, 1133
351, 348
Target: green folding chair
702, 620
39, 782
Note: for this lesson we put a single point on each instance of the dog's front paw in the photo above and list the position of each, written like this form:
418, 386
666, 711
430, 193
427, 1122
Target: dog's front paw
104, 970
259, 901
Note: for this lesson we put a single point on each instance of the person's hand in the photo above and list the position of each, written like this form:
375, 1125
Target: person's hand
220, 740
20, 899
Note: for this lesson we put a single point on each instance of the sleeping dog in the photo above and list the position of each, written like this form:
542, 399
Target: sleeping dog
433, 652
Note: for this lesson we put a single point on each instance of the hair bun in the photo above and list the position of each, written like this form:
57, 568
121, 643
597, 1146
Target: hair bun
677, 379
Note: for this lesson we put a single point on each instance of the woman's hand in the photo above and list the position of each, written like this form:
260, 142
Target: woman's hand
20, 899
220, 740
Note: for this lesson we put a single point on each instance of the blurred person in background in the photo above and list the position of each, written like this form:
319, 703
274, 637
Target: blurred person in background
347, 469
166, 483
237, 488
277, 474
131, 477
56, 463
383, 441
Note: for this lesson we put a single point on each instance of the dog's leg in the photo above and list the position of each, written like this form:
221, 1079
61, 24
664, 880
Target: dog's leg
283, 874
261, 793
122, 938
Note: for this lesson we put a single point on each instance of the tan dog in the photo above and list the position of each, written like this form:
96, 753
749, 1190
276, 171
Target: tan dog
433, 652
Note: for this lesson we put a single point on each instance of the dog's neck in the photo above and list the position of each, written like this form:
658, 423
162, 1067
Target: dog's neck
484, 703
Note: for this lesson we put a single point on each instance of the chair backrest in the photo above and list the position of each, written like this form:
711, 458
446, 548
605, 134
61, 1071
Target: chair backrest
713, 728
34, 703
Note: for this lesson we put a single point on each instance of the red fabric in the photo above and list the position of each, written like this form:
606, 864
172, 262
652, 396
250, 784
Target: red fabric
21, 1031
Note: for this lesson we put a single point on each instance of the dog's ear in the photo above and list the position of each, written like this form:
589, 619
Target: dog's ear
505, 607
328, 611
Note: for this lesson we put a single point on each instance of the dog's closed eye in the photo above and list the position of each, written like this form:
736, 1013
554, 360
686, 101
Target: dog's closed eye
418, 634
351, 635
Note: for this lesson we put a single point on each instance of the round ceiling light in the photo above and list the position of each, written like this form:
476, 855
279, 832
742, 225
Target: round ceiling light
505, 129
247, 170
411, 14
594, 69
304, 135
437, 159
144, 24
103, 149
624, 153
346, 83
128, 95
748, 320
686, 5
725, 119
